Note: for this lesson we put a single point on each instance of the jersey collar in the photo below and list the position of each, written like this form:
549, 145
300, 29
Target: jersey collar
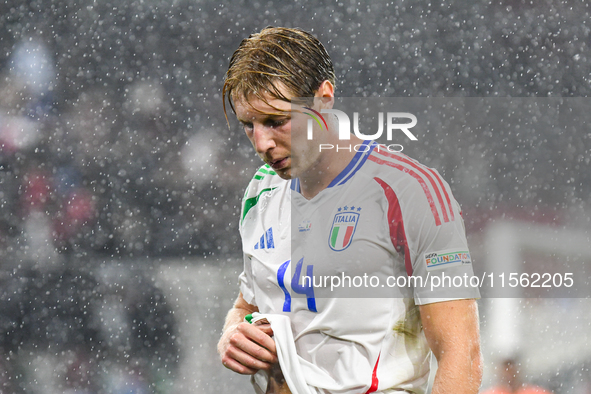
363, 152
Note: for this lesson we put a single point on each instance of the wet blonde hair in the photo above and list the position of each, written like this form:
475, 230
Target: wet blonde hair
277, 56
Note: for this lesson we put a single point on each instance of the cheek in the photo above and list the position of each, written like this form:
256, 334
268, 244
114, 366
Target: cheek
305, 154
312, 153
298, 139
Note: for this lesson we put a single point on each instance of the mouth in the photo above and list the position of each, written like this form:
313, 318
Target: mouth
279, 163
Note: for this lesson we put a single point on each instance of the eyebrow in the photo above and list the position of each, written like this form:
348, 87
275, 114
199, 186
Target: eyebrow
266, 117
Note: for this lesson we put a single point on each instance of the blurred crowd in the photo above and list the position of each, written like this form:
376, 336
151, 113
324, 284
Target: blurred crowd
103, 175
84, 185
113, 148
70, 331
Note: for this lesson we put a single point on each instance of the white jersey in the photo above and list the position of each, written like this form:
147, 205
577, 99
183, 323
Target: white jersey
384, 219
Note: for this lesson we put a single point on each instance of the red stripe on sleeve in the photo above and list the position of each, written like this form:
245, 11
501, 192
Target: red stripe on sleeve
396, 224
451, 210
427, 172
418, 178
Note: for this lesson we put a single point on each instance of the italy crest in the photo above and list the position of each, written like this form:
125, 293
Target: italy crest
343, 228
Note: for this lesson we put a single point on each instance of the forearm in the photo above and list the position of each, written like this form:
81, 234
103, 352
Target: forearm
451, 329
246, 348
234, 317
458, 374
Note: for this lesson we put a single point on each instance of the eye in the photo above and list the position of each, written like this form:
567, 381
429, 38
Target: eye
277, 122
247, 127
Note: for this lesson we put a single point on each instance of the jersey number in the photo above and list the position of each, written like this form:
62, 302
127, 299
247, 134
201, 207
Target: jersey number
306, 288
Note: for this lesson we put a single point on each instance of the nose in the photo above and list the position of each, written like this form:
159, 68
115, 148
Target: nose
263, 138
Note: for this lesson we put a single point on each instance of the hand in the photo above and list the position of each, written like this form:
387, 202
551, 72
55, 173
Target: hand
246, 348
277, 383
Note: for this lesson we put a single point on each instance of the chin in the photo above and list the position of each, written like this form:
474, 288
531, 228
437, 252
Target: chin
284, 174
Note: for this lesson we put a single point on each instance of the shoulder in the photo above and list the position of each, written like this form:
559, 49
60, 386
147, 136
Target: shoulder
402, 169
265, 180
413, 183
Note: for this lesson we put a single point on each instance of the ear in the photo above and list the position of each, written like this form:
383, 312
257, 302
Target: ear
325, 95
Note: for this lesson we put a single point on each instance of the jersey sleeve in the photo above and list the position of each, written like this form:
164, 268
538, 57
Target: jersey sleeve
426, 227
246, 282
263, 182
245, 279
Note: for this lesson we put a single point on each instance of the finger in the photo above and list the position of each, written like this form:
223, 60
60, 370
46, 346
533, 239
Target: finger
235, 366
253, 348
260, 337
266, 328
247, 360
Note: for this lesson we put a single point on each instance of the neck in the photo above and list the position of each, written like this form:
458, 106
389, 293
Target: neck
328, 166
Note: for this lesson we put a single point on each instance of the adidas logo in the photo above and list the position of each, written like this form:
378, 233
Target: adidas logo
266, 241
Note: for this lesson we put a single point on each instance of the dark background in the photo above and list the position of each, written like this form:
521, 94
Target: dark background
105, 53
115, 156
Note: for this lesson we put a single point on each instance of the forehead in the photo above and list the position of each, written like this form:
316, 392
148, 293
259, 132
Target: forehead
253, 107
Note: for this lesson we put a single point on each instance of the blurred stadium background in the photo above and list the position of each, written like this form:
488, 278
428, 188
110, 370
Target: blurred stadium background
120, 182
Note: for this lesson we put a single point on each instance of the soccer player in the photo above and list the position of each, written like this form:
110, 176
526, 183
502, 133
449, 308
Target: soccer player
326, 213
